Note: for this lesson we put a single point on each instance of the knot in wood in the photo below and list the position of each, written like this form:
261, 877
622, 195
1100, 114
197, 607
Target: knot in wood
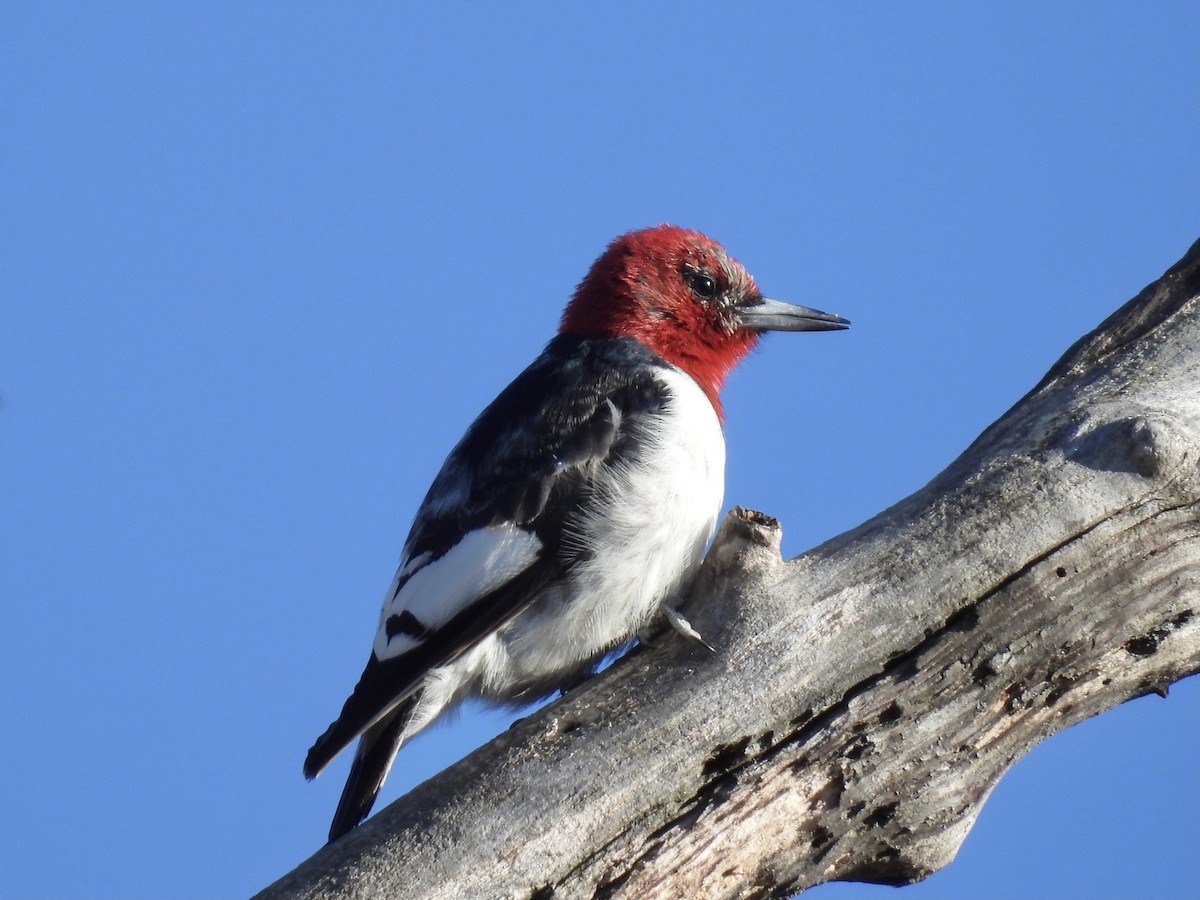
1143, 445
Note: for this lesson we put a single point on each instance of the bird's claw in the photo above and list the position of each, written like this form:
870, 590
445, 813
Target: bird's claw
684, 627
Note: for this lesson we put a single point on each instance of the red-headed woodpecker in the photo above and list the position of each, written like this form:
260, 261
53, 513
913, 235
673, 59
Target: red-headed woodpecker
574, 510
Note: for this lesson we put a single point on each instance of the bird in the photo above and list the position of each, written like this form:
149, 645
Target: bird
575, 509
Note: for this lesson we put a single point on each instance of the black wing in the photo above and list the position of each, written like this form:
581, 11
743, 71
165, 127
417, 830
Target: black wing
528, 460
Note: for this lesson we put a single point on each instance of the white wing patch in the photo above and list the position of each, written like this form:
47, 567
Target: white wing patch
481, 561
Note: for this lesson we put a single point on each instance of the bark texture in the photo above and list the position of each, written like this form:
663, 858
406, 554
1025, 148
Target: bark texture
866, 696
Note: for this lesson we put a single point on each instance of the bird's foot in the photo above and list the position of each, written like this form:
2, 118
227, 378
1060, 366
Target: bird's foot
684, 627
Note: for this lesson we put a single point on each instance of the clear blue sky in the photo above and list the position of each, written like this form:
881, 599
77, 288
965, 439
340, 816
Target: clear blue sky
262, 263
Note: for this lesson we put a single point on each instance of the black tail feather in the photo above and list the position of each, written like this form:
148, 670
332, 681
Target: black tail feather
380, 691
376, 749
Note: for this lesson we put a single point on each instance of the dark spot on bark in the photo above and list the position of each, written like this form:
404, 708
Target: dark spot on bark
963, 620
801, 720
983, 673
1016, 699
1144, 644
858, 749
906, 667
855, 809
545, 892
882, 815
724, 758
891, 714
1060, 572
1061, 686
821, 835
1182, 619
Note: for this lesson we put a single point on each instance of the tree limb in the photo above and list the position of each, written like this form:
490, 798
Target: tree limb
865, 697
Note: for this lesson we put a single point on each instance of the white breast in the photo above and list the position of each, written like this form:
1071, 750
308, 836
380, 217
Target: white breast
646, 535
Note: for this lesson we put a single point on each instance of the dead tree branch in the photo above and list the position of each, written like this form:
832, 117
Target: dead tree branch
866, 696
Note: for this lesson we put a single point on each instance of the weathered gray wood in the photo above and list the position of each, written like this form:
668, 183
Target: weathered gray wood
866, 696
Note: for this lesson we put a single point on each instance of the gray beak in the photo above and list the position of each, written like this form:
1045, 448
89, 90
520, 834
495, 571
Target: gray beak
775, 315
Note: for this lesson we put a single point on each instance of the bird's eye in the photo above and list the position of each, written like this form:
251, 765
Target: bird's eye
702, 284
